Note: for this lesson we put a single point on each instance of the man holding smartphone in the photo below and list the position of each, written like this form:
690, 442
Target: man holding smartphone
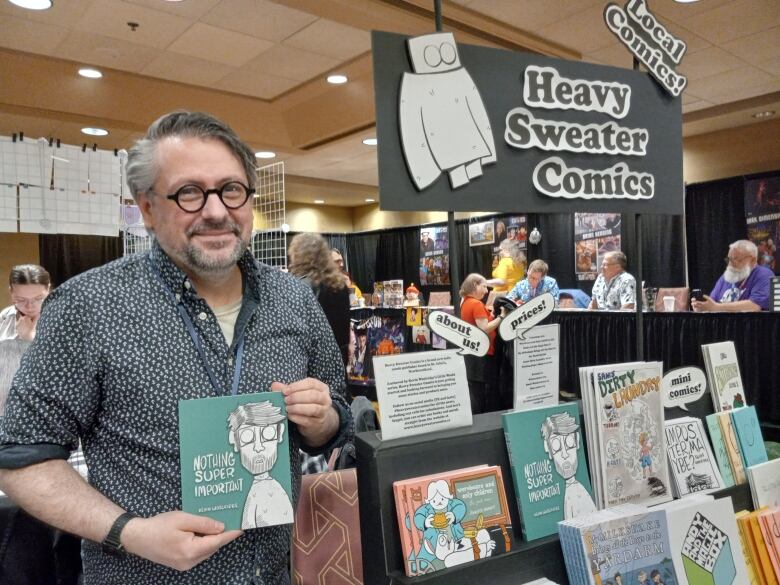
743, 286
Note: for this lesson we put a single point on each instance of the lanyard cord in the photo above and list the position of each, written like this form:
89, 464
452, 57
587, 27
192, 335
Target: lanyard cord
196, 341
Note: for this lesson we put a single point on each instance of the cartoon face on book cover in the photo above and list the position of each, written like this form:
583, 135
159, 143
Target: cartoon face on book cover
235, 459
631, 550
452, 518
633, 443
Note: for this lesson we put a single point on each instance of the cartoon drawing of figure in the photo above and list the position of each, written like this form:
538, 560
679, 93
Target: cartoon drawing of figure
645, 460
561, 436
444, 543
738, 401
255, 431
444, 124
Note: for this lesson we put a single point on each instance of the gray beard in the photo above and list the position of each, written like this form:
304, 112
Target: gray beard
258, 463
733, 276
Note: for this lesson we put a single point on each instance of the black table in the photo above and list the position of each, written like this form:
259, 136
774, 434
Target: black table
590, 338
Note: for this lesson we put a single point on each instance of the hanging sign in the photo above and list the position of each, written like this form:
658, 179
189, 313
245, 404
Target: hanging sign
649, 41
465, 128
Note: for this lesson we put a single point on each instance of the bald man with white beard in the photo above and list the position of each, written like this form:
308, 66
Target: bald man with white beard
744, 285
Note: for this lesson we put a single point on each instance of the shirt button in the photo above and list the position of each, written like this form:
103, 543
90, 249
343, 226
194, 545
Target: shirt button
230, 361
187, 284
202, 316
178, 297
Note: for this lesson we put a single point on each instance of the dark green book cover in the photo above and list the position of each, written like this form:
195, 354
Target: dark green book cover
235, 459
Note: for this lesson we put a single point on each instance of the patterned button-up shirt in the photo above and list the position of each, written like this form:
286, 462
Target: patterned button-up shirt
109, 364
525, 292
612, 295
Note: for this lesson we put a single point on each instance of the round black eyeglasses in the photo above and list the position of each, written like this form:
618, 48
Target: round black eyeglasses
192, 198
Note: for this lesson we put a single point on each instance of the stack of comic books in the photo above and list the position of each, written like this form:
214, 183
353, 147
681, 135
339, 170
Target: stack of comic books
765, 484
720, 361
737, 434
624, 420
547, 455
692, 466
450, 518
760, 532
625, 544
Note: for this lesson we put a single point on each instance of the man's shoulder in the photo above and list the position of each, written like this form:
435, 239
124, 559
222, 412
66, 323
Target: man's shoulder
763, 273
108, 278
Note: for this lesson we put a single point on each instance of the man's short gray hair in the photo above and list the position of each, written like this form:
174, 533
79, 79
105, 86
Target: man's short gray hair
618, 257
745, 246
142, 168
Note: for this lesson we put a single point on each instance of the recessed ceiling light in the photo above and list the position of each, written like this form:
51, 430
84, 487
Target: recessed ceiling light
764, 114
337, 79
90, 73
94, 131
686, 1
369, 200
319, 201
265, 154
369, 141
33, 4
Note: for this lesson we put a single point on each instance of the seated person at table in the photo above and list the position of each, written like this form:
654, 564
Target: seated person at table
614, 288
536, 283
744, 286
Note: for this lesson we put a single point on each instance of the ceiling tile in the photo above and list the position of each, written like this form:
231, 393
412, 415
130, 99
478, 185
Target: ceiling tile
585, 32
258, 18
758, 47
291, 63
156, 29
717, 88
33, 127
219, 45
682, 12
32, 37
92, 49
692, 41
262, 86
771, 66
186, 69
708, 62
192, 9
64, 14
744, 92
331, 39
735, 19
531, 15
616, 55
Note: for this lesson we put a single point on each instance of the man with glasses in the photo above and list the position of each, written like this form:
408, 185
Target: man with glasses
614, 288
743, 286
194, 317
29, 285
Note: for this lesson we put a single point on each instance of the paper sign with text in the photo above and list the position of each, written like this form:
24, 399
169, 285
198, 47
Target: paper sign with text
683, 385
526, 316
422, 392
537, 367
470, 338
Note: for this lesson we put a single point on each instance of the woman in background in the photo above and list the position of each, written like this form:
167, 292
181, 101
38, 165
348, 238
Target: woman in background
511, 266
311, 260
29, 285
480, 371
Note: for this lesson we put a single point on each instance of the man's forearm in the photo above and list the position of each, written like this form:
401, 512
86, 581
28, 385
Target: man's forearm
738, 306
55, 493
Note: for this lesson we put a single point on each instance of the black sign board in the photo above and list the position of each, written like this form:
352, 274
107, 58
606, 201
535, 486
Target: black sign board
466, 128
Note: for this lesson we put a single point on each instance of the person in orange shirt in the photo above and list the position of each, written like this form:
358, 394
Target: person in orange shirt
480, 371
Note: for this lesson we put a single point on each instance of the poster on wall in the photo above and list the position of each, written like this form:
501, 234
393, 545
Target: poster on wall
465, 128
481, 233
595, 234
434, 255
510, 227
762, 214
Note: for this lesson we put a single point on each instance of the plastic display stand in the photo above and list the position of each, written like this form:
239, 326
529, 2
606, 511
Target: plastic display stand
380, 463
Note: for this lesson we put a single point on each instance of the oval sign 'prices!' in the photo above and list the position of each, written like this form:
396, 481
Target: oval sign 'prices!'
683, 385
470, 338
526, 316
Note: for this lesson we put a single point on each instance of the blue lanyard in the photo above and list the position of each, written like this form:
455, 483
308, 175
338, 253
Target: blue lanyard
196, 341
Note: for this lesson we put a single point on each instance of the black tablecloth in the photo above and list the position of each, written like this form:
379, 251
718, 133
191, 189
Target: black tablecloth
590, 338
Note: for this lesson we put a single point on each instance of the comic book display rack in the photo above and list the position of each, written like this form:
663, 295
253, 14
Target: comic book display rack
380, 463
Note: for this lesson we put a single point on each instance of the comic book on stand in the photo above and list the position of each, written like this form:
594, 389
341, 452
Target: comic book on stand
547, 456
627, 446
749, 436
719, 448
692, 466
725, 381
235, 459
765, 484
450, 518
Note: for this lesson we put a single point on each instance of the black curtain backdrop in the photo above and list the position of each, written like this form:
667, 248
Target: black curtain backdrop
65, 256
715, 217
361, 249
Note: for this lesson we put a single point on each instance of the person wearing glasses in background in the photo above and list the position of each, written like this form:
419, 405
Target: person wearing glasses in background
743, 286
29, 285
614, 289
122, 344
